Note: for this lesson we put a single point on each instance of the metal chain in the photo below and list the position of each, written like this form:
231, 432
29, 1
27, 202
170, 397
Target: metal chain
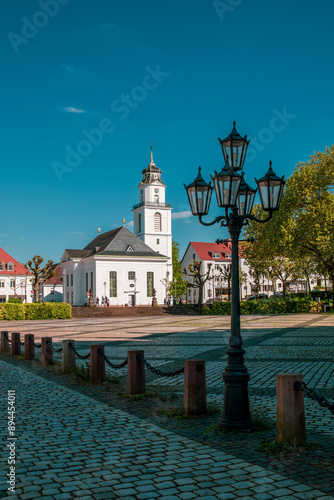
33, 343
53, 348
17, 337
76, 352
6, 336
159, 372
301, 386
116, 367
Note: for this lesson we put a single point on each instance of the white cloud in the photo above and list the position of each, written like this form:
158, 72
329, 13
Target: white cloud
130, 224
182, 215
71, 109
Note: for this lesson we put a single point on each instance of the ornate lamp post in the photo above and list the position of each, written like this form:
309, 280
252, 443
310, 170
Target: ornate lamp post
237, 198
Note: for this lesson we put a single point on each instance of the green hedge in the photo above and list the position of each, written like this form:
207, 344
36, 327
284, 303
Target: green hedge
324, 295
271, 306
38, 310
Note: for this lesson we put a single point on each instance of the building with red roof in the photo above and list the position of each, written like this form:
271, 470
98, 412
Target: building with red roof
15, 279
217, 256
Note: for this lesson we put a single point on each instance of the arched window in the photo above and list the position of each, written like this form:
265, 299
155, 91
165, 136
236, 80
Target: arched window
139, 223
156, 198
157, 222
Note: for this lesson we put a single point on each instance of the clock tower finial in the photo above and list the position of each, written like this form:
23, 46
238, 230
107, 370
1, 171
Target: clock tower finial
151, 152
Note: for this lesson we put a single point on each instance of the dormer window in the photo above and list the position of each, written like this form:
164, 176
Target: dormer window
2, 267
130, 249
216, 255
10, 266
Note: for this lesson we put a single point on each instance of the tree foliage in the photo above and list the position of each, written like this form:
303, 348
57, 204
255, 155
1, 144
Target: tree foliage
180, 287
40, 274
298, 240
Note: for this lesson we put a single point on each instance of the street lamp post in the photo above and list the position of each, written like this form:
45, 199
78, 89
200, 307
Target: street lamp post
236, 198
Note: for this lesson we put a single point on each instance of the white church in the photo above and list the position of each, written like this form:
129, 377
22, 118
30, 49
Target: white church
123, 266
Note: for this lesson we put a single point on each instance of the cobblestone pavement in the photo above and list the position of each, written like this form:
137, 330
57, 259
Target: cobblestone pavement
95, 442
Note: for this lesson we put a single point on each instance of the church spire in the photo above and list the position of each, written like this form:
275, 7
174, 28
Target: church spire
151, 152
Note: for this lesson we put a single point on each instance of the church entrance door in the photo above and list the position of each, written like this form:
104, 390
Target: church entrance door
132, 300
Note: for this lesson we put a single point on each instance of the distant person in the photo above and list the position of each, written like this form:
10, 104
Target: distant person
97, 302
102, 301
108, 302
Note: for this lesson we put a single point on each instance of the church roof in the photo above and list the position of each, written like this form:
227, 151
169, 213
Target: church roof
152, 173
120, 242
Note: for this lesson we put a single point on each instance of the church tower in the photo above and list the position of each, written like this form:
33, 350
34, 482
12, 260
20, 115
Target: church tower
152, 216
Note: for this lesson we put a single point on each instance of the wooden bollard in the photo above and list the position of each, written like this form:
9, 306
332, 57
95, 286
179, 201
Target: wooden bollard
136, 373
97, 364
15, 345
68, 358
4, 347
46, 351
29, 348
291, 425
194, 396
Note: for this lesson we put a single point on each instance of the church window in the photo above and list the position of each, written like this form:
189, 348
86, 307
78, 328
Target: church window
150, 283
141, 196
71, 279
72, 298
68, 297
86, 282
139, 223
157, 222
91, 280
158, 241
156, 198
131, 275
67, 280
113, 284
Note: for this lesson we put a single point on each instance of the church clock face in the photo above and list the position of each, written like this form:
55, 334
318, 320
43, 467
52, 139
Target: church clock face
156, 190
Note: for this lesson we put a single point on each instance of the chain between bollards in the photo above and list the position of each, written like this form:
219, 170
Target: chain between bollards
53, 348
6, 336
18, 338
116, 367
159, 372
71, 346
33, 343
313, 395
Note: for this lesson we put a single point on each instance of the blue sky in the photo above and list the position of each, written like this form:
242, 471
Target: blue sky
118, 75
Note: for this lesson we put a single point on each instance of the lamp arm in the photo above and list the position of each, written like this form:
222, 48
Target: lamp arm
217, 219
252, 217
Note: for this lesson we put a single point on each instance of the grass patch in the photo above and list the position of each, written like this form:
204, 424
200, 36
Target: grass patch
145, 395
212, 429
260, 422
272, 447
82, 373
177, 413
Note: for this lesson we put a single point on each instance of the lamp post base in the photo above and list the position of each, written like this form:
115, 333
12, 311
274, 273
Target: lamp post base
236, 412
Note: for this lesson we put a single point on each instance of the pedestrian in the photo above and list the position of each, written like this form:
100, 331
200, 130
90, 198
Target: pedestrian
108, 303
102, 301
97, 302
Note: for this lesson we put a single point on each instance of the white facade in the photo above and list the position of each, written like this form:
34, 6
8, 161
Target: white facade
152, 215
123, 266
15, 281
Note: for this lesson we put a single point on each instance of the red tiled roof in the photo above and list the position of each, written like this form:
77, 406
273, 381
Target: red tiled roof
17, 267
206, 251
57, 278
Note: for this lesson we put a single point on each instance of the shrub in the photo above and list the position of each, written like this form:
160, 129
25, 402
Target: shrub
271, 306
14, 300
12, 311
37, 310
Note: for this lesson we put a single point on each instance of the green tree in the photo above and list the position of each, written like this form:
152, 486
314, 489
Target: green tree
180, 286
308, 210
197, 278
40, 274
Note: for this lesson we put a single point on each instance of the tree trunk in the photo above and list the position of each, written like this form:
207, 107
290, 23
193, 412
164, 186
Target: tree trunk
36, 292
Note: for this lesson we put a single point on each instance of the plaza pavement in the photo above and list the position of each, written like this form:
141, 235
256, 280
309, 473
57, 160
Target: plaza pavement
79, 442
